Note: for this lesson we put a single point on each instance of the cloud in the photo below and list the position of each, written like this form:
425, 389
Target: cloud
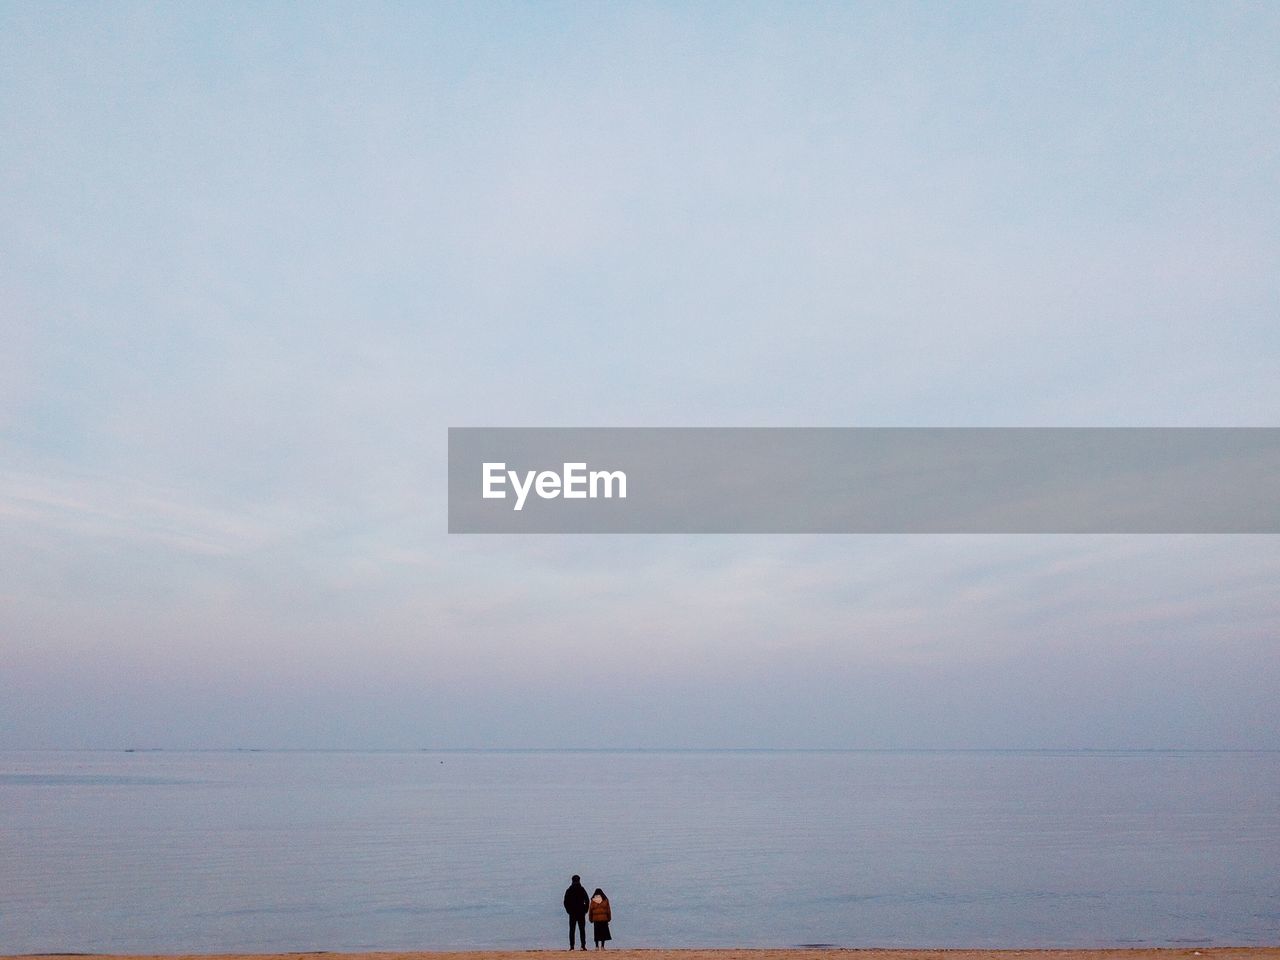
251, 268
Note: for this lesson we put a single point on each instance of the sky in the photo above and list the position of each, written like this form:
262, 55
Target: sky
255, 259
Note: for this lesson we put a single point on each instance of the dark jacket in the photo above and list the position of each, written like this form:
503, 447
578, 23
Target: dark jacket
576, 900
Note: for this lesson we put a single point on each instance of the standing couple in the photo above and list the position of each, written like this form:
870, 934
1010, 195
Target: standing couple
579, 906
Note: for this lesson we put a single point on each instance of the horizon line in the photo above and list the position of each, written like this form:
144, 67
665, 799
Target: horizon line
661, 749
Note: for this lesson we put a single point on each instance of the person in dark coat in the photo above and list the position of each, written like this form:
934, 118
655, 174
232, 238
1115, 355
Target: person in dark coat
575, 905
600, 915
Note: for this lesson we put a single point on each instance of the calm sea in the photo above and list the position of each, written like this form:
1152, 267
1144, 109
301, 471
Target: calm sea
249, 851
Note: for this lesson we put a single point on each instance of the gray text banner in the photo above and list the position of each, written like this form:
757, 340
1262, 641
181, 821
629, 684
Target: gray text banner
864, 480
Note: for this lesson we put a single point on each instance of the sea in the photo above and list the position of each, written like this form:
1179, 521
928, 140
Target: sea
167, 852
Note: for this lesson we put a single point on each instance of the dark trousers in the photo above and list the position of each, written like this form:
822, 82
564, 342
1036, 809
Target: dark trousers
580, 921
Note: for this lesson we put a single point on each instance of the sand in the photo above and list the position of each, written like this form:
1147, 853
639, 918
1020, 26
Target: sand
1163, 953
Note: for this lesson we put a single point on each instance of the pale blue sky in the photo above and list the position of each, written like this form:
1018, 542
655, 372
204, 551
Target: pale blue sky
256, 258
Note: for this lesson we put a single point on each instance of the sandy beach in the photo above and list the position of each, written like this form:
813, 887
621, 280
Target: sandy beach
1160, 953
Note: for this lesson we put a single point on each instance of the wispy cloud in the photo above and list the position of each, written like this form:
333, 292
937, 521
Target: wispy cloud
253, 265
123, 509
